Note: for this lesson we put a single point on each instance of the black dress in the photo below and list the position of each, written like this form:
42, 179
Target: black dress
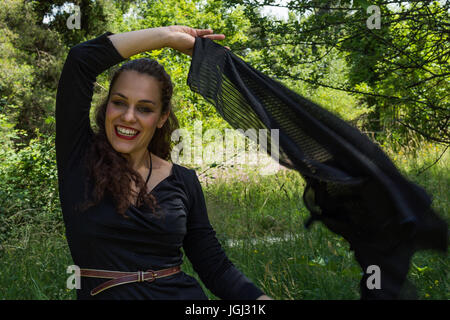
100, 238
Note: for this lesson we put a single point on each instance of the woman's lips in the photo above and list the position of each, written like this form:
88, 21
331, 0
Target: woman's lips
125, 137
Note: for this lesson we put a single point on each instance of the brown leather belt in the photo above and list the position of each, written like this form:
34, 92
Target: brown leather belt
120, 277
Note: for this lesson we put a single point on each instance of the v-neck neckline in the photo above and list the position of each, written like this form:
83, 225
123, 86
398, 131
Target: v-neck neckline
159, 183
150, 173
170, 175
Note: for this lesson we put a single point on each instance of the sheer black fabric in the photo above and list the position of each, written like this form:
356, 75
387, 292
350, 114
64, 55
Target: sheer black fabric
352, 186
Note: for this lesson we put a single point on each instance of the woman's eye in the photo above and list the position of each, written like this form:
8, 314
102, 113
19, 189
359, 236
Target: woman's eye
145, 109
141, 109
119, 103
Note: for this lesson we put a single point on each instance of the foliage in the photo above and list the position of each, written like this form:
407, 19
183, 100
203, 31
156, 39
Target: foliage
325, 54
30, 64
212, 14
259, 222
400, 71
28, 186
96, 17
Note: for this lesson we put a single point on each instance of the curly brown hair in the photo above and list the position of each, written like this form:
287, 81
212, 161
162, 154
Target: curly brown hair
101, 159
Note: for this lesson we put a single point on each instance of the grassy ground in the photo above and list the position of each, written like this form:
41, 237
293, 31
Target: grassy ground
304, 264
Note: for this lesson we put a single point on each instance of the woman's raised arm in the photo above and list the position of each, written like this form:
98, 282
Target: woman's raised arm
180, 38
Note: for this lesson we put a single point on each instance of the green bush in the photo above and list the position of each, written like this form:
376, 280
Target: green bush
28, 185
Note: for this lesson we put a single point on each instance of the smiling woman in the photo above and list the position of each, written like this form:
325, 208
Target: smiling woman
138, 209
136, 121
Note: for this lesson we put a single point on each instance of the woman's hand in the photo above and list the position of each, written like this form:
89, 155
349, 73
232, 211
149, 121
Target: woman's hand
182, 38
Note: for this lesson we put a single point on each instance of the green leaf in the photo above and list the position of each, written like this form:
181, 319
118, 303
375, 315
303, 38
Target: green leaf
362, 3
50, 120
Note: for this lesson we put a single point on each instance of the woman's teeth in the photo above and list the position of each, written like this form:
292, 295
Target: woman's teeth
127, 132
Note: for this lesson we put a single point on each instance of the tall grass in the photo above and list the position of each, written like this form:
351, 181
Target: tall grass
248, 211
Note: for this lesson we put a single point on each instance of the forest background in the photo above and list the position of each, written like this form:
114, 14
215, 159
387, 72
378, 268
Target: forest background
389, 80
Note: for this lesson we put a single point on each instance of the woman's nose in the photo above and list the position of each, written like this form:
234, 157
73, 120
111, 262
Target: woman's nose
129, 115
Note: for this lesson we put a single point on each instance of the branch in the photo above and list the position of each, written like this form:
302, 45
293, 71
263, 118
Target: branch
350, 90
422, 170
425, 80
423, 134
311, 6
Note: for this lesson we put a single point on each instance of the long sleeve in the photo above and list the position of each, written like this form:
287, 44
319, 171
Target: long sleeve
84, 63
206, 254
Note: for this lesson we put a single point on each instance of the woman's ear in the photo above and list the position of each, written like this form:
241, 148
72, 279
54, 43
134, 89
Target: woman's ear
163, 119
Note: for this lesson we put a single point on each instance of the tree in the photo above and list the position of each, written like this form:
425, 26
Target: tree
400, 70
34, 41
29, 68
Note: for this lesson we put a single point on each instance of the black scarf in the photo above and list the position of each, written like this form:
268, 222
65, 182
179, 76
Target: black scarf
352, 186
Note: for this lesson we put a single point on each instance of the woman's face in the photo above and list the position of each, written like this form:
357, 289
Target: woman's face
133, 113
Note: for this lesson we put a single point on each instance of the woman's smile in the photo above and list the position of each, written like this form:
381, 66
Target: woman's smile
126, 133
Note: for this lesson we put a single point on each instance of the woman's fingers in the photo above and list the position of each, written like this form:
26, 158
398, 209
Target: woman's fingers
209, 33
202, 32
183, 38
214, 36
206, 33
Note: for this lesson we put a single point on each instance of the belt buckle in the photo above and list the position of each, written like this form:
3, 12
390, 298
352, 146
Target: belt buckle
153, 275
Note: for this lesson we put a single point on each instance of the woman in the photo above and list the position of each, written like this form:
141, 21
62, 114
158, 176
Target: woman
127, 210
